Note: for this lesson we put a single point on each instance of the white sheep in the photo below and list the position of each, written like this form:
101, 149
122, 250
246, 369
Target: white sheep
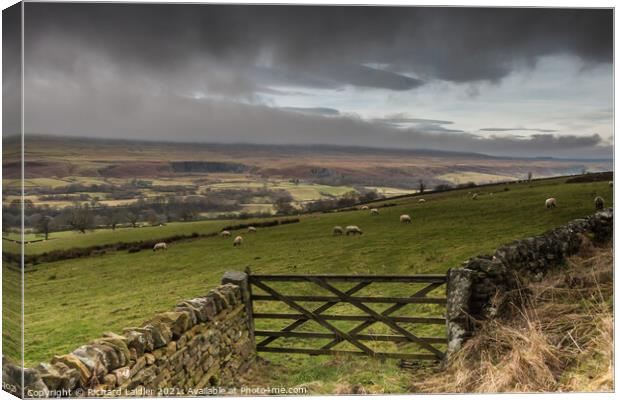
611, 183
251, 229
374, 211
475, 196
225, 233
160, 246
599, 203
421, 201
237, 242
353, 230
551, 203
364, 208
405, 219
337, 230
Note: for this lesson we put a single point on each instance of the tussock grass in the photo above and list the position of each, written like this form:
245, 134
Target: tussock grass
560, 339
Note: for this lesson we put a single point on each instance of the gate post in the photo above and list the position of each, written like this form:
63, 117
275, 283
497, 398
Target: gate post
458, 324
242, 279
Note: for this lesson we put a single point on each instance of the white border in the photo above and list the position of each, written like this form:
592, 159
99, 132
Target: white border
478, 3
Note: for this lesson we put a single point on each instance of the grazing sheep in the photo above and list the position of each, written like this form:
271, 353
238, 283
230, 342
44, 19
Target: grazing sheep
337, 230
405, 219
353, 230
599, 203
364, 208
160, 246
237, 242
475, 196
551, 203
374, 211
251, 229
224, 233
421, 201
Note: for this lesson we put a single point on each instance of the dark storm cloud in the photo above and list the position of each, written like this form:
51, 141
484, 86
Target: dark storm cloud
199, 72
318, 46
185, 119
518, 129
11, 70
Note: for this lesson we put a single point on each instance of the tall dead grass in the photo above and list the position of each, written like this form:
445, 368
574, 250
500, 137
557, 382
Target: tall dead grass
559, 339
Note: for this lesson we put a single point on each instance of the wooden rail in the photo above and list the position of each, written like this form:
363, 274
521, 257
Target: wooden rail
353, 336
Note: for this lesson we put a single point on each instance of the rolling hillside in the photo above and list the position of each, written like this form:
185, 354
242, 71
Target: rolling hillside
75, 300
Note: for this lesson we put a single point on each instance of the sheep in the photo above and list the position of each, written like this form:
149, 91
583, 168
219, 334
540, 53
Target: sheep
551, 203
225, 233
475, 196
353, 230
337, 230
611, 183
599, 203
405, 219
364, 208
421, 201
251, 229
160, 246
237, 242
374, 211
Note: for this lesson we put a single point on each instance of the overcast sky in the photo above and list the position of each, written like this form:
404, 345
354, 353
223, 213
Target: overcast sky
527, 82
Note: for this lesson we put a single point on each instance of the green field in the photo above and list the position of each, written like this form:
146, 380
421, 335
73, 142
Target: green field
69, 302
70, 239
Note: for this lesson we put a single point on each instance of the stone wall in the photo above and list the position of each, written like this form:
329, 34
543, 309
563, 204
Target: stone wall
471, 289
202, 345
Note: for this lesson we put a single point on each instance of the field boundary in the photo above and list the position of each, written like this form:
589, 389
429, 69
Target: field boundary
483, 185
354, 336
132, 247
202, 343
487, 280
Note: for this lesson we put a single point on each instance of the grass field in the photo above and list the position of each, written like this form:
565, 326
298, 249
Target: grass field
70, 239
72, 301
476, 177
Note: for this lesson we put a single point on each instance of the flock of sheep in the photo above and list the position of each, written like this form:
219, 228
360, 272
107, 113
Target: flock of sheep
355, 230
238, 239
237, 242
599, 203
551, 202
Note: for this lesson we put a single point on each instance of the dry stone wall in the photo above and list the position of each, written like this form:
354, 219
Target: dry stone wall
472, 288
202, 345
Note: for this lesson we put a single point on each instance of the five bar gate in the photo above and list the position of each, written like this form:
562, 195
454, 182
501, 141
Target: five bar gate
337, 296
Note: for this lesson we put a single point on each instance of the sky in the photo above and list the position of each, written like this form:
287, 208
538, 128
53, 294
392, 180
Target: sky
509, 82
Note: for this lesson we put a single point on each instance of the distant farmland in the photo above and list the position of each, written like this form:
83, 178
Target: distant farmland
119, 289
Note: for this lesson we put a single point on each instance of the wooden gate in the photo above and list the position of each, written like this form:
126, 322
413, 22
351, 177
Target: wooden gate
369, 316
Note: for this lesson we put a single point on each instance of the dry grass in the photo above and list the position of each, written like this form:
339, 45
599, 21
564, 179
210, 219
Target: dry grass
560, 340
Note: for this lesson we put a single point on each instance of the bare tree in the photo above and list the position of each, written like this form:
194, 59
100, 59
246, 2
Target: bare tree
80, 217
421, 186
133, 218
151, 216
114, 217
44, 224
